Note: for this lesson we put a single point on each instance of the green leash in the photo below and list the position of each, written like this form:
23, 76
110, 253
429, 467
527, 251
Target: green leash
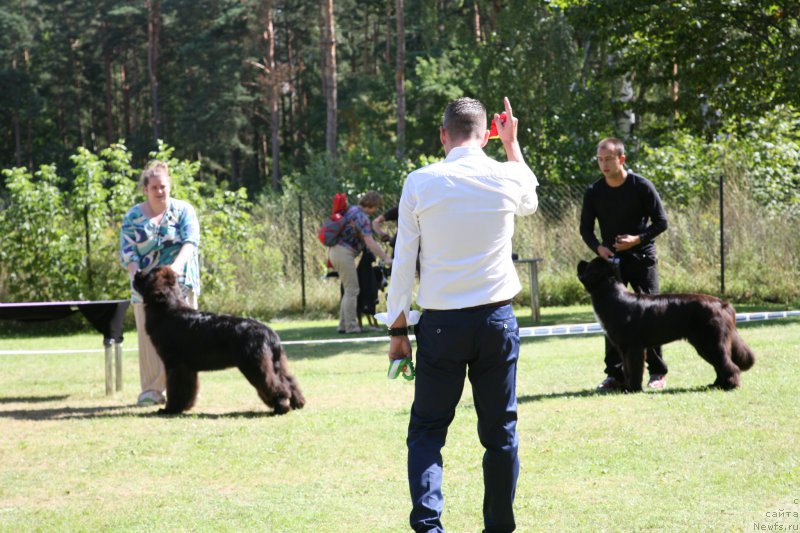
401, 366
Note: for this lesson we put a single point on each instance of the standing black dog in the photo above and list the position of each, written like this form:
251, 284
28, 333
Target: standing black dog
188, 341
634, 322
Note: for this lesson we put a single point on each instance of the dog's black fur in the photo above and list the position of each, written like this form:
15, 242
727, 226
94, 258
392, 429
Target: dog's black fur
634, 322
189, 341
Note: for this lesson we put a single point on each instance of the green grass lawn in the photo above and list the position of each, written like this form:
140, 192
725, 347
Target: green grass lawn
686, 458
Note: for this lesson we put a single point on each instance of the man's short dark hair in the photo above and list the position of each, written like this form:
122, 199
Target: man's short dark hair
613, 144
464, 118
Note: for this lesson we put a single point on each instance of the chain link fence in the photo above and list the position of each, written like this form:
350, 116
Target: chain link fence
758, 247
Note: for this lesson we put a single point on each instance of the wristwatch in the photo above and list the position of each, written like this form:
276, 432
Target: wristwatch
399, 332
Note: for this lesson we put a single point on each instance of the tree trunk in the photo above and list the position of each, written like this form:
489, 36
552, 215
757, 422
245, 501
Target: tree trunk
365, 51
76, 84
15, 122
388, 57
153, 29
495, 12
274, 85
476, 21
109, 96
29, 139
329, 75
17, 138
126, 101
235, 174
674, 93
292, 137
400, 78
264, 151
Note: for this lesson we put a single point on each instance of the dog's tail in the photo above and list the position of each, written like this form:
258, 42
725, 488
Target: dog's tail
741, 354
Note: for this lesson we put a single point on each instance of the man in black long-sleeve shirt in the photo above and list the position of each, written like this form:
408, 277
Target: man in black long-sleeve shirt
631, 215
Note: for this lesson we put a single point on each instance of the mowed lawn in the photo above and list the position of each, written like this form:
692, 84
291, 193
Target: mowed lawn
686, 458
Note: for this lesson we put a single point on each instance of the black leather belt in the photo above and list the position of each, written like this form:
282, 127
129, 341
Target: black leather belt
484, 306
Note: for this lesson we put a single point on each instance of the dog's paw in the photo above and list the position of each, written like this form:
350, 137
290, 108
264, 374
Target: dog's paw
282, 406
298, 401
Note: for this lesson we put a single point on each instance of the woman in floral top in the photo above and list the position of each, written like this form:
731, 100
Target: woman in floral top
160, 231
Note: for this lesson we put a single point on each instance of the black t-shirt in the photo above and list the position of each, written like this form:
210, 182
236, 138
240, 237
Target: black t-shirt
391, 214
633, 208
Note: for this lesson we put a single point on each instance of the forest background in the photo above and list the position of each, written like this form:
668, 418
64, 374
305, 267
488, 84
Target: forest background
265, 108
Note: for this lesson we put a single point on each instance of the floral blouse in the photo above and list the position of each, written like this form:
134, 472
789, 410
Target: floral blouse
152, 245
357, 226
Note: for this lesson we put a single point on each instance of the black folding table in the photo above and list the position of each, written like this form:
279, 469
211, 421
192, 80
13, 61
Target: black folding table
106, 316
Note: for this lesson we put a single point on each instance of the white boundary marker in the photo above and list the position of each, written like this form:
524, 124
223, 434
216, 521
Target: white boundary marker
537, 331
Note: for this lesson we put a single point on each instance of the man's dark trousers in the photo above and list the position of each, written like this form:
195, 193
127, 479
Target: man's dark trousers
483, 344
640, 270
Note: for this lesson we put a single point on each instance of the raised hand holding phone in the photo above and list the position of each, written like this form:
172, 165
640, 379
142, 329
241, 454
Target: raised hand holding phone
506, 125
493, 129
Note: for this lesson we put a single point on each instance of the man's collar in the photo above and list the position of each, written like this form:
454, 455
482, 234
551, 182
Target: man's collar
463, 151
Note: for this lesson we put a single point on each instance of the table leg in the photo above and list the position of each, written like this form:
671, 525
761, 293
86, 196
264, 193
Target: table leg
535, 291
118, 364
109, 369
530, 286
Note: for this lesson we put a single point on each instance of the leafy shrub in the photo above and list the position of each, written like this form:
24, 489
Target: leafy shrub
62, 233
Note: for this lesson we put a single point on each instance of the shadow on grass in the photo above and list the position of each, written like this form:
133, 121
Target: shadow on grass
217, 416
125, 411
589, 393
32, 399
319, 351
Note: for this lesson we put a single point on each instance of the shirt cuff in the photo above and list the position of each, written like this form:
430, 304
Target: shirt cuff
411, 319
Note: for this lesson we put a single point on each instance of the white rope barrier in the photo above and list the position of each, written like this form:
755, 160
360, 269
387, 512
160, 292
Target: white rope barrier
536, 331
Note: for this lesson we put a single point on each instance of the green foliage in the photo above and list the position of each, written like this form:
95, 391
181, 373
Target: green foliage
226, 234
684, 168
100, 191
64, 245
763, 154
690, 43
39, 259
770, 153
363, 167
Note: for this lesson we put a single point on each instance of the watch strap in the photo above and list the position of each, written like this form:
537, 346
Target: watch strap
399, 332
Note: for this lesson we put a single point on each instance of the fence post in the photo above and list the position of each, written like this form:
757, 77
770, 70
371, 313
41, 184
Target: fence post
302, 252
721, 235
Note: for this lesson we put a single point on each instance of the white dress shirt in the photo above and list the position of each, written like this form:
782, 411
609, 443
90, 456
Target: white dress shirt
459, 215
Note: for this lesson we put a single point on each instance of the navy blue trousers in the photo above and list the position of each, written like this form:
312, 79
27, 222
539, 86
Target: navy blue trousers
484, 345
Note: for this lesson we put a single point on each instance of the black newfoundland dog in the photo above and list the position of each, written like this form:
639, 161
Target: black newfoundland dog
189, 341
634, 322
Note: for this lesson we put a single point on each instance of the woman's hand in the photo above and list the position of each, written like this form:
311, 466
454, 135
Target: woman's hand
133, 268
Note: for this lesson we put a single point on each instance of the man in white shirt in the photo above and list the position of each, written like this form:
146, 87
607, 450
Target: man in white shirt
458, 216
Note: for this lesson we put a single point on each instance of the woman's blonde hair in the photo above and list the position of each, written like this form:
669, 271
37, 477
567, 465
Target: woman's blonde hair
153, 167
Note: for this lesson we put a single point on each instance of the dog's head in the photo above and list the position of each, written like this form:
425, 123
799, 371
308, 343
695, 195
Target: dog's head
159, 286
596, 273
